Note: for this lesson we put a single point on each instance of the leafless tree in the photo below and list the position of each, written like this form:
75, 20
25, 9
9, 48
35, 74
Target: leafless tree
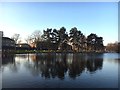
34, 38
15, 37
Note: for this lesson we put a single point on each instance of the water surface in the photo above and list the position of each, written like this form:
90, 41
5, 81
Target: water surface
60, 70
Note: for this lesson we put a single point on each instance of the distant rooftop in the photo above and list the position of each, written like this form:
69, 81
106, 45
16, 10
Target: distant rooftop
7, 38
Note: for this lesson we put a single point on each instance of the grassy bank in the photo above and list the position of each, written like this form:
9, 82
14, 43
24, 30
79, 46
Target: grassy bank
45, 51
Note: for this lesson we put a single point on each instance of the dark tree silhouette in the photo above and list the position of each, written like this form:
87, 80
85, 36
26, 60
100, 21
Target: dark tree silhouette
94, 43
53, 39
77, 39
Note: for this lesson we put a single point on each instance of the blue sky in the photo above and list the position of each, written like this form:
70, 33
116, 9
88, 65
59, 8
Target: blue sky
89, 17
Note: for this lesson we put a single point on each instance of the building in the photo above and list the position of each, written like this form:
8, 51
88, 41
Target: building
46, 46
8, 44
1, 35
23, 46
65, 46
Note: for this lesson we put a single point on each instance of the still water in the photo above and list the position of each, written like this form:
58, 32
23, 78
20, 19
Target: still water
60, 70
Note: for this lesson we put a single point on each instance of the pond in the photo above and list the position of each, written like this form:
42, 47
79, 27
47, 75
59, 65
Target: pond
60, 70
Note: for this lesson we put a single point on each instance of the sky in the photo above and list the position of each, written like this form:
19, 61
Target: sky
24, 18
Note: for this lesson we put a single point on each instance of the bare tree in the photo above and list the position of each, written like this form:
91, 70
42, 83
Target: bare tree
28, 39
15, 37
34, 38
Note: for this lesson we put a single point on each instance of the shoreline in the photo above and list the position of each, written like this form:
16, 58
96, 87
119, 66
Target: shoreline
49, 51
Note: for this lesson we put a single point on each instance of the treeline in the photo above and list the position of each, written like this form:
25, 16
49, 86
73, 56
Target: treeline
113, 47
74, 40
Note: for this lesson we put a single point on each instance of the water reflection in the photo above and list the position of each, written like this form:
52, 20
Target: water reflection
54, 65
8, 61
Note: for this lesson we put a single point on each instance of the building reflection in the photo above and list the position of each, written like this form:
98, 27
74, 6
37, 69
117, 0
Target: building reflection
56, 65
8, 60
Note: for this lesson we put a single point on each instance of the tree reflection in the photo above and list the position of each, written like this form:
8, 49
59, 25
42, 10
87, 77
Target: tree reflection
76, 67
93, 63
52, 65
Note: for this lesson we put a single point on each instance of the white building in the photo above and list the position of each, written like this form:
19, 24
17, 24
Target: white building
1, 35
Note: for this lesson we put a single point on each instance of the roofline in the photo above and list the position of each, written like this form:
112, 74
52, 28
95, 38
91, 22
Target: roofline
7, 38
